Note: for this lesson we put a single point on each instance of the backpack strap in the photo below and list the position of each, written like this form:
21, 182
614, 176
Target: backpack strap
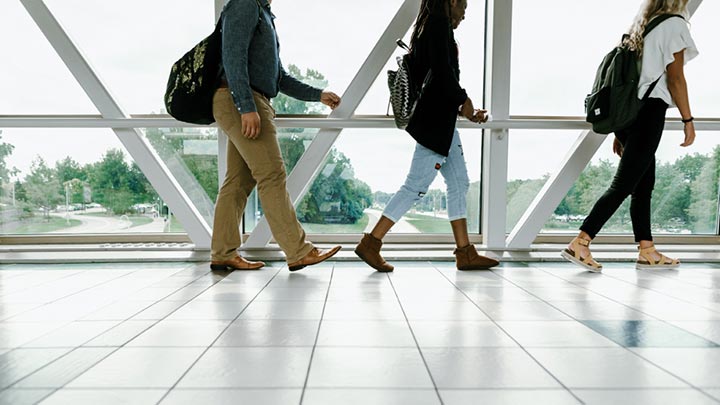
657, 20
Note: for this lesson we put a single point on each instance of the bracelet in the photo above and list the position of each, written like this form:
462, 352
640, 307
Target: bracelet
691, 119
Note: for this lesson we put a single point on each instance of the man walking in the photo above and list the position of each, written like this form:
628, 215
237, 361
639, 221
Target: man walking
252, 75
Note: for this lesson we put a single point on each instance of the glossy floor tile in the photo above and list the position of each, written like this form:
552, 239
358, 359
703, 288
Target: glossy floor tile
647, 334
341, 333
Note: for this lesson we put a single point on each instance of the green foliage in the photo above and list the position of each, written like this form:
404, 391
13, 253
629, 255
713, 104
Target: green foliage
117, 185
170, 145
5, 151
685, 197
284, 104
42, 186
335, 196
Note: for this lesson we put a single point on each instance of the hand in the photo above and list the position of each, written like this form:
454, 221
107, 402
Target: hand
481, 116
689, 134
251, 125
617, 147
330, 99
468, 111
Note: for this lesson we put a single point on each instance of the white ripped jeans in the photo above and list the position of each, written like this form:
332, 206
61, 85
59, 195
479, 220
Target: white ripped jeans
425, 166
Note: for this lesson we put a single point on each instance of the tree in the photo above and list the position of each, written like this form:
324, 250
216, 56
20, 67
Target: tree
42, 186
703, 210
5, 151
117, 185
170, 145
335, 196
71, 173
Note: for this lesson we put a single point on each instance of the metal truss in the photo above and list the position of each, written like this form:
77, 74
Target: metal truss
495, 136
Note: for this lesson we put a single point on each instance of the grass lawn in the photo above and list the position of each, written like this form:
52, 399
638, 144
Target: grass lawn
136, 220
139, 220
38, 225
358, 227
175, 226
428, 224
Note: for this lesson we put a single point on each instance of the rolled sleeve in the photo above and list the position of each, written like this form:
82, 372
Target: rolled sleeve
239, 21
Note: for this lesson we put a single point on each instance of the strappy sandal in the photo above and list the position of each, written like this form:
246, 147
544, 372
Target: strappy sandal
573, 254
646, 261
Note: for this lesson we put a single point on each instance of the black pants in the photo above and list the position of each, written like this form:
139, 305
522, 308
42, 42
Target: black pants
635, 175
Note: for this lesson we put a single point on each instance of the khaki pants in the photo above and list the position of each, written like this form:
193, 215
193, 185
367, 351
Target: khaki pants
249, 163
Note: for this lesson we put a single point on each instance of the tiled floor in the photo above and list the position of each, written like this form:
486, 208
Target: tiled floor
339, 333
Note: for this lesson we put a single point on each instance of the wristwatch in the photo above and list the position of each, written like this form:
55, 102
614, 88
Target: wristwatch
685, 121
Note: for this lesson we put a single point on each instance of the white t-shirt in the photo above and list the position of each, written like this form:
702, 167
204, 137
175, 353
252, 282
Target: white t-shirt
668, 38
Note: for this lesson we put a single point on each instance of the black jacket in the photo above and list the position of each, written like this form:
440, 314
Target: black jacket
433, 121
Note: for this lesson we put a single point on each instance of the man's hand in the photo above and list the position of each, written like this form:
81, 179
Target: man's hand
251, 125
689, 134
617, 147
330, 99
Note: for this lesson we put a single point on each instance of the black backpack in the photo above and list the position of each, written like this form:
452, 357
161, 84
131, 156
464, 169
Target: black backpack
613, 104
194, 79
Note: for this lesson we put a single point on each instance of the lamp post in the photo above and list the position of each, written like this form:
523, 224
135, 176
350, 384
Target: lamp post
67, 202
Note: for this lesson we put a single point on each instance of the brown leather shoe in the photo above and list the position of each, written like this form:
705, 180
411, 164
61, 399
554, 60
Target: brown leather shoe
315, 256
236, 263
369, 251
467, 258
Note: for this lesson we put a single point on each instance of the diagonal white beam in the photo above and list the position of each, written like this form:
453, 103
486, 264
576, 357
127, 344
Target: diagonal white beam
141, 151
557, 187
300, 180
495, 141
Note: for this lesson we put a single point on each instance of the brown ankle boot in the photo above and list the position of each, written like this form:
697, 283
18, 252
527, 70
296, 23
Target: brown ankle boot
369, 250
467, 258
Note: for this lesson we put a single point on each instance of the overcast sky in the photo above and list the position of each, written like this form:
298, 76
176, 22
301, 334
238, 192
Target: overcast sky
557, 46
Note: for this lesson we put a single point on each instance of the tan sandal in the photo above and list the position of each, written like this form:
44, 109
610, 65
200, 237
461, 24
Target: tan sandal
573, 254
645, 260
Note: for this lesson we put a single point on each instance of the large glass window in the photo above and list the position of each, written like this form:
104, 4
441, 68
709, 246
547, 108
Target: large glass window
333, 38
556, 51
702, 71
364, 169
685, 198
33, 78
133, 43
470, 38
83, 181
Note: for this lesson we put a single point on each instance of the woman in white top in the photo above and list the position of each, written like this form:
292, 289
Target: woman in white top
664, 52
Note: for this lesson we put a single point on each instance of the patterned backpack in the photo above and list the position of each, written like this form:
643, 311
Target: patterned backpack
194, 79
403, 92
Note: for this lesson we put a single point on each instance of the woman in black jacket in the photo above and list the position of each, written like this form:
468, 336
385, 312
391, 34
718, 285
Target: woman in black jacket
432, 125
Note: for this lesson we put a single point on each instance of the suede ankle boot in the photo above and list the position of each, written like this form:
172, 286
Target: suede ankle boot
467, 258
369, 250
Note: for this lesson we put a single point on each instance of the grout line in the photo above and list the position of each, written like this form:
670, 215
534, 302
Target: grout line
417, 344
317, 336
523, 348
627, 349
219, 334
156, 321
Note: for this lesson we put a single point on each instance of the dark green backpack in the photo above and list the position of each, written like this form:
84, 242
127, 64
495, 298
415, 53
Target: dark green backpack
613, 104
194, 79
